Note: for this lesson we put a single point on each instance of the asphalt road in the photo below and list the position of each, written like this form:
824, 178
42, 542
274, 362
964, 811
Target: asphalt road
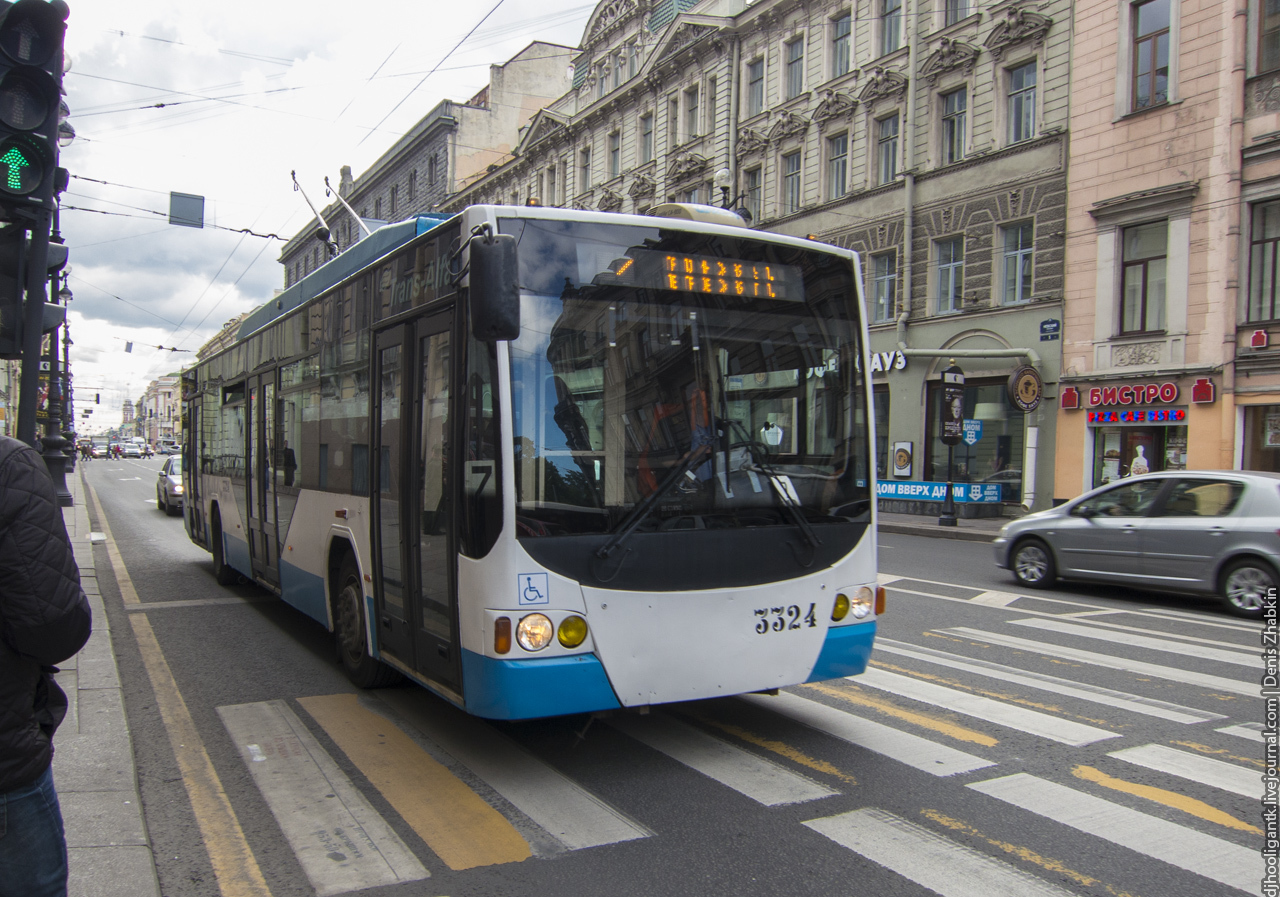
1064, 743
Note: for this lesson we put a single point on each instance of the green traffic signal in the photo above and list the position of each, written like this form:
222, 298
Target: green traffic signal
22, 166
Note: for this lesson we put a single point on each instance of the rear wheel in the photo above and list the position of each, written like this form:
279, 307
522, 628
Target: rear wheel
1032, 564
1246, 584
226, 576
349, 629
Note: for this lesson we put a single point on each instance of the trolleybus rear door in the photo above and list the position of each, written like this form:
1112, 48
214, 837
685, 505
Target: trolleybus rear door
394, 627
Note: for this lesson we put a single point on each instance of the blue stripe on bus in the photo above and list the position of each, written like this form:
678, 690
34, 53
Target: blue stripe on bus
845, 652
236, 554
527, 689
305, 591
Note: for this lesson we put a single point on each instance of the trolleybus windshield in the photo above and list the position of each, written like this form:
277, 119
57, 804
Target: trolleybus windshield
640, 345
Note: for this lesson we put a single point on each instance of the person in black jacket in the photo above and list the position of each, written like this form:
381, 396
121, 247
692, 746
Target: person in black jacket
44, 619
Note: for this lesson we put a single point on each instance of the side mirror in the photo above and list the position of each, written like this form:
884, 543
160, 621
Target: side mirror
495, 288
1087, 513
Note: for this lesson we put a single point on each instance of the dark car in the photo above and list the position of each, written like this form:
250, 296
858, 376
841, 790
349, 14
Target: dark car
1210, 531
169, 486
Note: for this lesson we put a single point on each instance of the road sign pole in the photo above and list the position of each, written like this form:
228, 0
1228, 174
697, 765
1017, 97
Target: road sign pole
951, 423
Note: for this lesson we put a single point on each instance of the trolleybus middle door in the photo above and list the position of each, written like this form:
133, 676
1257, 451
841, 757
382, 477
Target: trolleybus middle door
264, 550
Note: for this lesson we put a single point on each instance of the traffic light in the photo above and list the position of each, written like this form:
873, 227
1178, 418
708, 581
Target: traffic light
97, 398
13, 251
31, 36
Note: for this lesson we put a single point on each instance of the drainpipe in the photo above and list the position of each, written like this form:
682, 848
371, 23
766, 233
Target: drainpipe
734, 71
909, 174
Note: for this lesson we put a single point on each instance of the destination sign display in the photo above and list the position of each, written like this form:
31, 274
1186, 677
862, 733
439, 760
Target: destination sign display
648, 269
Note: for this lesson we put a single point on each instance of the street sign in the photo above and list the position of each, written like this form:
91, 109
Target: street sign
952, 411
972, 431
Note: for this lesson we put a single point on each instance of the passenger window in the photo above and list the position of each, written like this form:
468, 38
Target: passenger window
1128, 500
1202, 498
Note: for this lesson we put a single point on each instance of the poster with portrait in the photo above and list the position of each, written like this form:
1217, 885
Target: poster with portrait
1271, 432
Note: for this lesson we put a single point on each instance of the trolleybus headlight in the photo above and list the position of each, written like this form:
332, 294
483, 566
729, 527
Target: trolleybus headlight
841, 610
534, 632
572, 632
863, 601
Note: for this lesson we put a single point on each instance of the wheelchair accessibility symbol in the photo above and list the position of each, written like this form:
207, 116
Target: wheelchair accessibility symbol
531, 588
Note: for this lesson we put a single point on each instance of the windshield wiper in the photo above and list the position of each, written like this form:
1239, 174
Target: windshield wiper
793, 508
641, 511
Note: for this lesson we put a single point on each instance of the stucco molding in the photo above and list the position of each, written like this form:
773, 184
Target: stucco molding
750, 141
1019, 26
835, 105
882, 85
950, 55
788, 125
686, 165
609, 201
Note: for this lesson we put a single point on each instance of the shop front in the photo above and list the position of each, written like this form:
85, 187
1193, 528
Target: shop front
1137, 427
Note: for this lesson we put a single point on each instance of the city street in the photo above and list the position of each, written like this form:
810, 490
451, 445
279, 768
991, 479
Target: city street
1082, 740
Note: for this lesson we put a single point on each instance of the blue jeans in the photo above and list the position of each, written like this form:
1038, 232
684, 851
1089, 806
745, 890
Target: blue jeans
33, 849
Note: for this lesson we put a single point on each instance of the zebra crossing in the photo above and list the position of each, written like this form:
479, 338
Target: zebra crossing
1155, 795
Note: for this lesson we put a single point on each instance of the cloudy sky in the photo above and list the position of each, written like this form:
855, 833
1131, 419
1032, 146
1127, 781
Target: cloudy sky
250, 91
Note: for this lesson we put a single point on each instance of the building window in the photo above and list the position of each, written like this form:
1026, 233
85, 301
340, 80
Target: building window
691, 113
1268, 35
690, 195
755, 87
885, 288
950, 274
615, 154
791, 183
673, 122
395, 194
955, 108
751, 192
431, 169
617, 70
890, 25
711, 106
1018, 256
551, 186
584, 169
795, 67
1264, 250
377, 208
841, 34
602, 79
887, 149
1022, 102
646, 137
633, 60
1142, 288
955, 11
1150, 54
413, 183
837, 166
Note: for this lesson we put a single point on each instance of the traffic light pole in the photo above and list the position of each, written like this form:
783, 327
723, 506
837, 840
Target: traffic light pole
32, 267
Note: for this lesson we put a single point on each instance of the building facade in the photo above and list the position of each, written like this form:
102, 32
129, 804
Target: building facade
1173, 219
929, 135
159, 414
451, 146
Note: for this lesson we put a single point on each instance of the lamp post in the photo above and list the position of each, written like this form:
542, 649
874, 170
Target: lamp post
724, 181
952, 427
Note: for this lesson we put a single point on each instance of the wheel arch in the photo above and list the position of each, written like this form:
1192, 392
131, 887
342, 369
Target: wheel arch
339, 549
1241, 554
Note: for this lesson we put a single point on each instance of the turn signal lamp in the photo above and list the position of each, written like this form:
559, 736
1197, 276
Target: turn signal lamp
863, 601
841, 610
880, 593
502, 635
572, 632
535, 632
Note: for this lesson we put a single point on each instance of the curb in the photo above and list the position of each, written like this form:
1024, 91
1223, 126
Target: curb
936, 532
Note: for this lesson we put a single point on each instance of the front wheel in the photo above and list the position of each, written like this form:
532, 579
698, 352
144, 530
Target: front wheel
1032, 564
1246, 585
363, 671
160, 502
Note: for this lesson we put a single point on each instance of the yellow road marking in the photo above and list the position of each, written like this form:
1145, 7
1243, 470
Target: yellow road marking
127, 592
456, 823
781, 748
1001, 696
1205, 749
233, 861
1024, 853
855, 695
1169, 798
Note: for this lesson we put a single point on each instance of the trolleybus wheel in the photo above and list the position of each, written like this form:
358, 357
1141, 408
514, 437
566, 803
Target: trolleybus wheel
224, 574
348, 617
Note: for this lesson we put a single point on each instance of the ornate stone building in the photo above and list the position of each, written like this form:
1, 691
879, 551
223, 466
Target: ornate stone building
929, 135
451, 146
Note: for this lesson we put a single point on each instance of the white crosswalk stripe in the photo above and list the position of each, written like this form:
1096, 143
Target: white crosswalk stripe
1240, 658
1042, 681
759, 779
928, 859
1227, 776
984, 708
1251, 731
340, 841
921, 753
1213, 858
1205, 680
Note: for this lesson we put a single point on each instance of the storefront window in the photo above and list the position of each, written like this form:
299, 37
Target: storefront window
997, 433
880, 402
1131, 451
1262, 438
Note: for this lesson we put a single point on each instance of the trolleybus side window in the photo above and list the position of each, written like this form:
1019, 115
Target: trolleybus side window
481, 519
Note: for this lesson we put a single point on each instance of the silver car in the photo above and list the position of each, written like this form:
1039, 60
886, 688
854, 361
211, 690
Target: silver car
1208, 531
169, 486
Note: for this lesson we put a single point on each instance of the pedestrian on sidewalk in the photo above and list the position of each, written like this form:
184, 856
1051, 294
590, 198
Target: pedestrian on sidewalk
44, 619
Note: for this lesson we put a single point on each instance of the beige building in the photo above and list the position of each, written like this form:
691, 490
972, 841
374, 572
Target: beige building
1172, 225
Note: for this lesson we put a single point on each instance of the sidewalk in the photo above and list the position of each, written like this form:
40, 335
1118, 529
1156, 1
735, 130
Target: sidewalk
974, 529
93, 765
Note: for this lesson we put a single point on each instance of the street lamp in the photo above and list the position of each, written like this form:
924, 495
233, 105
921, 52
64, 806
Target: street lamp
724, 180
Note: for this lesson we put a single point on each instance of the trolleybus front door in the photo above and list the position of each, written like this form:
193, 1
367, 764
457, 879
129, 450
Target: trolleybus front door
264, 550
413, 517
